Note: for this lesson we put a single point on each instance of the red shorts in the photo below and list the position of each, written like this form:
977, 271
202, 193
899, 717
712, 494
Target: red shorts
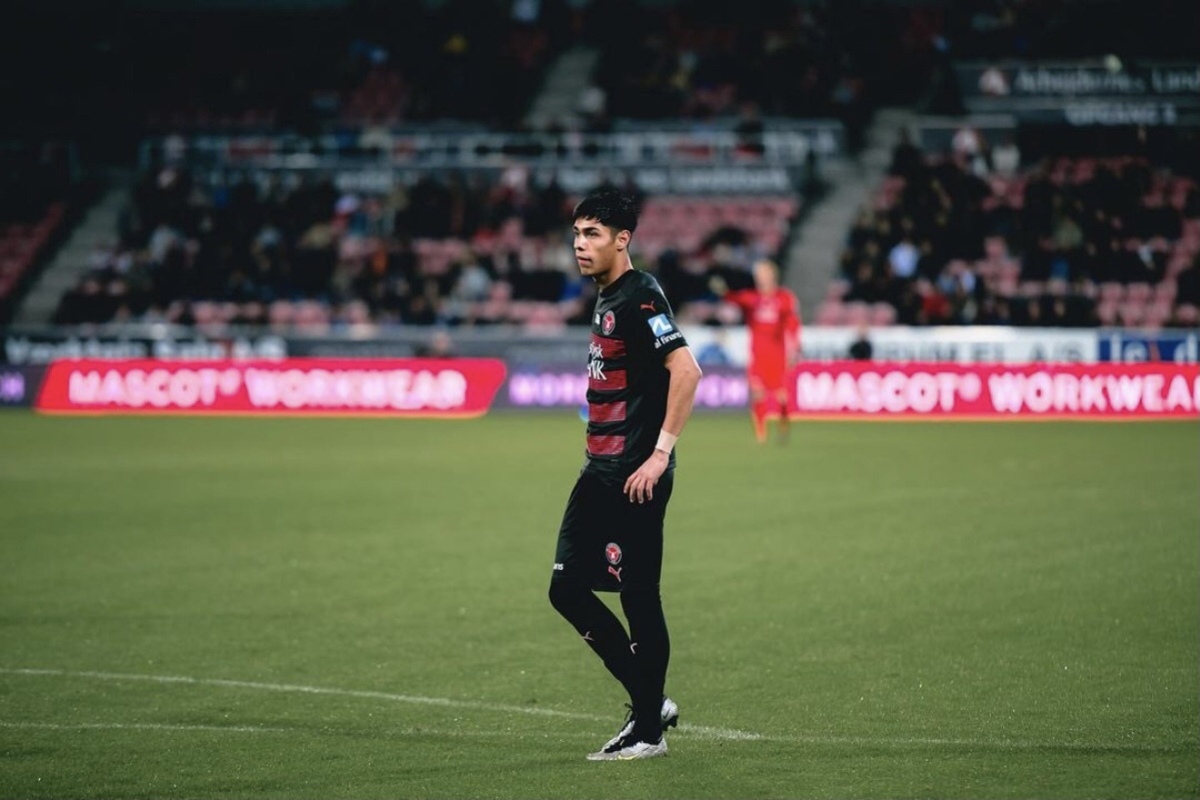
769, 373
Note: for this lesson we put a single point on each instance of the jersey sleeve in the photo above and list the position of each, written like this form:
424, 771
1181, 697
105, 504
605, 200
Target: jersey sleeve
791, 320
655, 313
743, 299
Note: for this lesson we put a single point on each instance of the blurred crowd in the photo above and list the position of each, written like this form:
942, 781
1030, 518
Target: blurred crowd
968, 238
974, 236
695, 60
446, 250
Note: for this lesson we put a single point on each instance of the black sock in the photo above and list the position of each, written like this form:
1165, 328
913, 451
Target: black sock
652, 651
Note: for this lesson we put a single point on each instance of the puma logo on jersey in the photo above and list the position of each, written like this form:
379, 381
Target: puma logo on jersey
616, 573
647, 306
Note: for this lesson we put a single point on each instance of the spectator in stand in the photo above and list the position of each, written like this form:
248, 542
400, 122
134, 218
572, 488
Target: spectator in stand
903, 258
1077, 226
861, 348
907, 160
1006, 157
439, 345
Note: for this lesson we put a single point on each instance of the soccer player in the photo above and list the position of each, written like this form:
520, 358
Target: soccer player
773, 318
642, 381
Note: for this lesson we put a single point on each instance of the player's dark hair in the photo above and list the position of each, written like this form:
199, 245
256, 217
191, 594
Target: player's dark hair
611, 207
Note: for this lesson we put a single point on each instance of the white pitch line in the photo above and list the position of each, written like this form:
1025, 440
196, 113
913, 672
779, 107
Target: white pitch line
698, 730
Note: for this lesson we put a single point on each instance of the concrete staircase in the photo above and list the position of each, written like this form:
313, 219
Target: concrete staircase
565, 81
98, 225
812, 259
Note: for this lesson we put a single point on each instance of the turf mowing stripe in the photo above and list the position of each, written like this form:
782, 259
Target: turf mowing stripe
137, 726
324, 731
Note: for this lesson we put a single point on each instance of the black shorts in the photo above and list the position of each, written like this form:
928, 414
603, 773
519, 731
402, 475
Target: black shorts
608, 542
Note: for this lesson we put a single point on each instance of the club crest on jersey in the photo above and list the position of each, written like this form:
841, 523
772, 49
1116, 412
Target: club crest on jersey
612, 551
609, 323
660, 325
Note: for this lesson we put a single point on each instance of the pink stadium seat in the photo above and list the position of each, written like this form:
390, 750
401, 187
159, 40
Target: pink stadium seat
1111, 292
1132, 313
837, 289
1106, 313
883, 314
204, 312
281, 313
1138, 292
831, 312
857, 313
1157, 314
1187, 315
1165, 291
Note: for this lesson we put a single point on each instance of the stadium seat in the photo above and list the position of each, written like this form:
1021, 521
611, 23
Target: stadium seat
831, 312
882, 314
1187, 315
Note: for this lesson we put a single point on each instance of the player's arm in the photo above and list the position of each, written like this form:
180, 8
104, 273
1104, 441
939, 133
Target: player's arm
791, 330
742, 298
685, 376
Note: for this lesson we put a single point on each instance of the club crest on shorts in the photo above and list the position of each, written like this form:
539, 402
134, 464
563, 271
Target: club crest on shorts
612, 551
609, 323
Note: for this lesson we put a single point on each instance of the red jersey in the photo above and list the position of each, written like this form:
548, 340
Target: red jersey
774, 323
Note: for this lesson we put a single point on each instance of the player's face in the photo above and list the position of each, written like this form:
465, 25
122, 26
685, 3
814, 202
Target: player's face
765, 279
599, 249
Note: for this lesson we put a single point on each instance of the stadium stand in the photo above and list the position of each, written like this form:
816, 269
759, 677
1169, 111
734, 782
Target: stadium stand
944, 241
696, 60
443, 250
1071, 241
370, 64
39, 197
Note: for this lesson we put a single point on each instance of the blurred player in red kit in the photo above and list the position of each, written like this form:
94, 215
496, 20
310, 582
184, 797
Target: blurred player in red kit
773, 318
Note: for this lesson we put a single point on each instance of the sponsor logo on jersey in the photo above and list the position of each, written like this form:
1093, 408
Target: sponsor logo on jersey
612, 551
610, 323
558, 567
660, 325
595, 366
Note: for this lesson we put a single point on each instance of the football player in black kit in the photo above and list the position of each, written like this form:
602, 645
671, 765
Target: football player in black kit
642, 380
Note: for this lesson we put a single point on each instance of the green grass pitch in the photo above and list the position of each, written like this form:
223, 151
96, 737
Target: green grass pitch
356, 608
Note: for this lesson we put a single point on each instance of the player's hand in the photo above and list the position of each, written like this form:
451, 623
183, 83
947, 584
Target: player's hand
640, 485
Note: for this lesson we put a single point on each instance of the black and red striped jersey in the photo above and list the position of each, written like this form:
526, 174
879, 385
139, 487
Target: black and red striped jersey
633, 329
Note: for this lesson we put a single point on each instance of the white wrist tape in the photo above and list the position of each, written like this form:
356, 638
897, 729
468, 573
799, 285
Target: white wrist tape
666, 441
